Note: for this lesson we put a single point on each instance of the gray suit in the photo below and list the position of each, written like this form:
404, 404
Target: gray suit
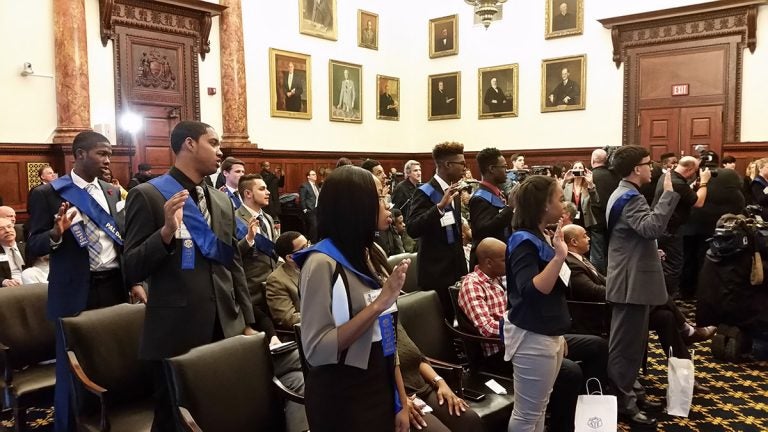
635, 280
257, 265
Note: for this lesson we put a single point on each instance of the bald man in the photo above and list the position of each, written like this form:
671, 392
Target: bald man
483, 299
605, 183
671, 242
10, 213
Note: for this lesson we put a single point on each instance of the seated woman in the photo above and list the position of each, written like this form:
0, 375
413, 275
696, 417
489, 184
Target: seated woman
537, 314
449, 412
353, 382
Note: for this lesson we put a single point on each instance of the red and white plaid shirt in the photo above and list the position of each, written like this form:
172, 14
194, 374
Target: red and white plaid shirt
484, 301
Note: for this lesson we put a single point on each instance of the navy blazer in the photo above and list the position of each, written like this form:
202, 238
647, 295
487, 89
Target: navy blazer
307, 197
70, 276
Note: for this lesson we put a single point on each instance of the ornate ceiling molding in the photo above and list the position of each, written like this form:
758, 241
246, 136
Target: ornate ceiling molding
184, 17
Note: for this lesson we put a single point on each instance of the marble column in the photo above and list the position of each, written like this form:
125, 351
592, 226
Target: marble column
73, 103
234, 101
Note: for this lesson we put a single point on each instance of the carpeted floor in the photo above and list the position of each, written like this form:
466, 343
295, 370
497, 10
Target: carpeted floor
738, 403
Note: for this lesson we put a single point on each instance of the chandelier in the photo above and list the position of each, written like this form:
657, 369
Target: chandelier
486, 9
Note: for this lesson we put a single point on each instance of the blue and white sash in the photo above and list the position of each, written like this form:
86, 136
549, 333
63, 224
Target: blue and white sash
436, 196
81, 199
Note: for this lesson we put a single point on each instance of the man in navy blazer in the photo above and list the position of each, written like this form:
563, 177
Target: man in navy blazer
85, 273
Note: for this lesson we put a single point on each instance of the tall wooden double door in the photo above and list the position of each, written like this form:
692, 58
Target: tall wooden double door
680, 129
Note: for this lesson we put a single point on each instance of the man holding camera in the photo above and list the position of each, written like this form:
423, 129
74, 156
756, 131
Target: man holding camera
671, 242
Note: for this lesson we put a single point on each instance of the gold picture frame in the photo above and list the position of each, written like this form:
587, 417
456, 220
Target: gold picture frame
319, 18
387, 98
564, 83
296, 101
501, 100
367, 29
444, 36
444, 100
345, 84
557, 24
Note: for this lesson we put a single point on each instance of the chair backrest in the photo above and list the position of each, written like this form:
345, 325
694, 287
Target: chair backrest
24, 327
412, 276
106, 343
302, 357
422, 316
473, 349
593, 318
227, 385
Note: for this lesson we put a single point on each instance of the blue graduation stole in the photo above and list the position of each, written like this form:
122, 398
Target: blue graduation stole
546, 252
203, 236
435, 196
494, 200
81, 199
236, 202
386, 322
618, 207
261, 242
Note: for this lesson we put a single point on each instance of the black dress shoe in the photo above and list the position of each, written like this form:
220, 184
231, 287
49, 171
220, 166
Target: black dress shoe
639, 419
647, 405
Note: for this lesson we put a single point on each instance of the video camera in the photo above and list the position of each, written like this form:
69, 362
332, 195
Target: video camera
741, 234
708, 159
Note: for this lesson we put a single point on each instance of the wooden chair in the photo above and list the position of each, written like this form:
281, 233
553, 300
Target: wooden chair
27, 340
229, 386
103, 350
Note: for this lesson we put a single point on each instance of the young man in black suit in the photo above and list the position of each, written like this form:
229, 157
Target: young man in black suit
308, 194
76, 220
436, 221
489, 211
181, 238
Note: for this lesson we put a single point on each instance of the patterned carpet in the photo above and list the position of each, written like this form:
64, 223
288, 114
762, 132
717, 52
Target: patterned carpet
738, 403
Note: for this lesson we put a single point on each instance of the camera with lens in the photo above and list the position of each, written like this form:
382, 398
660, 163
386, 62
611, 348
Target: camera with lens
750, 233
520, 174
709, 159
545, 170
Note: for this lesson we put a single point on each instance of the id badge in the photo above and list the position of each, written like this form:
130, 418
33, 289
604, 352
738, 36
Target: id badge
188, 255
447, 219
78, 231
578, 215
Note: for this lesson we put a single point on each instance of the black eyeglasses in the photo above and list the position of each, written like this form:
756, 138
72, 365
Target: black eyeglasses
649, 163
306, 245
462, 163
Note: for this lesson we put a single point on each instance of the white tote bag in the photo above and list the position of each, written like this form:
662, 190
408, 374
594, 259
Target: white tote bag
596, 412
680, 388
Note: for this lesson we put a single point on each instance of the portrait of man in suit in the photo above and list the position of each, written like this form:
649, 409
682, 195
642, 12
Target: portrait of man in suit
563, 84
444, 96
443, 35
290, 84
346, 92
389, 98
318, 18
497, 91
368, 29
564, 18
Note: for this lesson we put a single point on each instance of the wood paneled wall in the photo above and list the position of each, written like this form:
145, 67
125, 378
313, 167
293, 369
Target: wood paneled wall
14, 178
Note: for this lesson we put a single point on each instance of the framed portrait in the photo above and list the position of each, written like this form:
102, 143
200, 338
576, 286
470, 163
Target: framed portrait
345, 82
497, 91
367, 29
564, 18
387, 97
564, 84
290, 83
444, 96
318, 18
444, 36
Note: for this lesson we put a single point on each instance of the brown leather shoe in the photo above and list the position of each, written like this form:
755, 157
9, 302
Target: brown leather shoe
700, 334
700, 389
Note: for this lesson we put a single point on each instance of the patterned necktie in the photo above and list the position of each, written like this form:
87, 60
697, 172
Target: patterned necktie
92, 232
202, 204
589, 266
17, 258
265, 228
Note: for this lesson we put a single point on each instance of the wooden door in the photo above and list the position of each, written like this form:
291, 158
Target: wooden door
153, 141
701, 126
660, 131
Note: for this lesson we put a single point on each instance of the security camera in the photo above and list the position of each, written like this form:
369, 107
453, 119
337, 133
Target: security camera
27, 69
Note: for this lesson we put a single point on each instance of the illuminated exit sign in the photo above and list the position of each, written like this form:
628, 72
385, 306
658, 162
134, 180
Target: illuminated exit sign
680, 90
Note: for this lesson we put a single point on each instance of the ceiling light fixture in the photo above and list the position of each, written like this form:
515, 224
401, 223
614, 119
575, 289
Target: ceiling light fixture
486, 9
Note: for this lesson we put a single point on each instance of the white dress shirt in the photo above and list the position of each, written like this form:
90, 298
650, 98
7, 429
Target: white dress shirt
264, 230
15, 260
108, 252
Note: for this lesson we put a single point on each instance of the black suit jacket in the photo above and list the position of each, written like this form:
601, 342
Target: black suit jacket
487, 221
69, 276
401, 197
440, 264
5, 267
293, 103
307, 197
605, 183
183, 305
274, 183
585, 285
569, 89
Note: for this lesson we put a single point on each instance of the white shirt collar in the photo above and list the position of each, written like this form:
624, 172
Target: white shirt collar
252, 211
443, 184
232, 191
10, 248
81, 183
576, 255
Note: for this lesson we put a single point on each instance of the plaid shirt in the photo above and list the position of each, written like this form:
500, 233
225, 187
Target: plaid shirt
484, 301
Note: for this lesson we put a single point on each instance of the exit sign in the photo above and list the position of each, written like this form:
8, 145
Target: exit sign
680, 90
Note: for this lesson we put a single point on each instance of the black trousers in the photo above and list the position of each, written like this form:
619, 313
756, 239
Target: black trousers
672, 245
667, 321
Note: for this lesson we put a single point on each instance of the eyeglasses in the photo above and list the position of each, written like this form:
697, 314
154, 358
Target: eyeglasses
649, 163
462, 163
306, 245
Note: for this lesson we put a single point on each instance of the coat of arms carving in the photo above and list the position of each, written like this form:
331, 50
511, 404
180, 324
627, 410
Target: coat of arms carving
155, 71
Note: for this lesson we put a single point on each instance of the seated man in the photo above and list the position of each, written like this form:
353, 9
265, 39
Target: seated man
483, 299
398, 224
283, 283
587, 284
11, 254
389, 240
